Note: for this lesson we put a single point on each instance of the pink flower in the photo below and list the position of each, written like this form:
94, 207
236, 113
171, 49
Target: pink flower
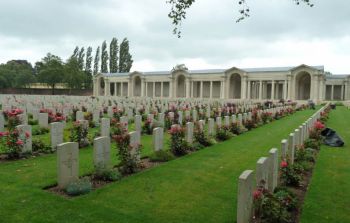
27, 134
2, 134
19, 142
284, 164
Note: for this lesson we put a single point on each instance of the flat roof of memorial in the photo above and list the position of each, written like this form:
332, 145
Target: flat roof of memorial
215, 71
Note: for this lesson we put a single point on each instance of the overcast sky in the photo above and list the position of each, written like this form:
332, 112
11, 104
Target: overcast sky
278, 33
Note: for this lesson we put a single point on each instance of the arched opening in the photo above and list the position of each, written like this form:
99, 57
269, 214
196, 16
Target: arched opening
137, 86
235, 86
180, 87
302, 86
101, 84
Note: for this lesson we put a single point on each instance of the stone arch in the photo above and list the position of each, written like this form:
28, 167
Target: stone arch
137, 86
303, 86
181, 86
235, 86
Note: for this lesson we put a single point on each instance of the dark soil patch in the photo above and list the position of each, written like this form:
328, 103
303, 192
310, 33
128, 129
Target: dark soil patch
146, 163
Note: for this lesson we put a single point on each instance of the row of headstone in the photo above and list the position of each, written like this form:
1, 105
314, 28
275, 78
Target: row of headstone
267, 169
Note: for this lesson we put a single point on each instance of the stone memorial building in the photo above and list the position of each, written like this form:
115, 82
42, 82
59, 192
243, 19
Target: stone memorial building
296, 83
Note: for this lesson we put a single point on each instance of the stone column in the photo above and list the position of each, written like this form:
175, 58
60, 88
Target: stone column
142, 87
223, 89
188, 87
201, 91
121, 88
154, 89
211, 90
107, 88
161, 89
290, 87
342, 92
346, 96
248, 93
316, 86
192, 83
243, 87
130, 88
273, 90
115, 88
322, 89
171, 90
285, 90
95, 85
332, 93
260, 90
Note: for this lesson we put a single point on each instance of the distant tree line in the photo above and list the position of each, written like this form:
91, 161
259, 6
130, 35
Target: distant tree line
76, 72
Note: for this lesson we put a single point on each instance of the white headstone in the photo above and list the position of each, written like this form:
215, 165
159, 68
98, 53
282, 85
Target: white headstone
189, 132
67, 163
56, 133
273, 170
102, 148
105, 127
44, 120
262, 172
245, 197
138, 123
79, 116
25, 134
158, 136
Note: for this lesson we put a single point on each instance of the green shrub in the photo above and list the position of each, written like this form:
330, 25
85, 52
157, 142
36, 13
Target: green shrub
290, 175
270, 208
107, 174
178, 144
312, 143
161, 156
39, 146
286, 197
302, 154
223, 134
79, 187
36, 130
33, 122
201, 138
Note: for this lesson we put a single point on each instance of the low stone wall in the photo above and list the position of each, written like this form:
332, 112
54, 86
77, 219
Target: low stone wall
39, 91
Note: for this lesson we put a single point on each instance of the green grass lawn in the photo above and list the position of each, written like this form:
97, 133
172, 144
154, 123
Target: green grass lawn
328, 198
201, 187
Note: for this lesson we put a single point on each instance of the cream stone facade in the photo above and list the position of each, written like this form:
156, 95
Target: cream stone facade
296, 83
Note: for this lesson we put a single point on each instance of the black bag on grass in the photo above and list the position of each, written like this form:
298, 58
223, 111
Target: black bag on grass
332, 138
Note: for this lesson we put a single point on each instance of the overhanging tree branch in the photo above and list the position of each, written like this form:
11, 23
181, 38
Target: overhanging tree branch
178, 11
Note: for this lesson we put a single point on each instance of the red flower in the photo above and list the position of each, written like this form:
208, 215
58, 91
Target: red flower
19, 142
257, 194
284, 164
27, 134
318, 125
2, 134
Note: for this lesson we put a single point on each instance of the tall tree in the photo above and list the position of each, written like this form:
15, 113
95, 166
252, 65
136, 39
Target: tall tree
75, 52
125, 58
52, 71
88, 60
97, 60
113, 54
81, 58
73, 75
16, 73
179, 7
104, 58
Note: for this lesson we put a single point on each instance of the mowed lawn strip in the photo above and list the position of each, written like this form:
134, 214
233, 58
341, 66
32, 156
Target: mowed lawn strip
328, 197
201, 187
